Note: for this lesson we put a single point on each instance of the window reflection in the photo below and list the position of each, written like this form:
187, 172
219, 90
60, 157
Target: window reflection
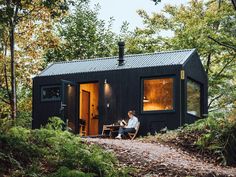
50, 93
158, 94
193, 98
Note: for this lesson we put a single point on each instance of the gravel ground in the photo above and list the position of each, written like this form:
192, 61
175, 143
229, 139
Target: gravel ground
160, 160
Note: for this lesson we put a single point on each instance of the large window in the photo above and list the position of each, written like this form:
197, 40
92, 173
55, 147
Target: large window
193, 98
158, 94
50, 93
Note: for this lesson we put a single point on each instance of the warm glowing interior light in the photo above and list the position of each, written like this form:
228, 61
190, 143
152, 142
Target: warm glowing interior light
159, 93
145, 100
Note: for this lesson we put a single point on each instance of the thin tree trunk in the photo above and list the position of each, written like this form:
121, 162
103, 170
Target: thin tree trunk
5, 72
6, 83
13, 71
13, 22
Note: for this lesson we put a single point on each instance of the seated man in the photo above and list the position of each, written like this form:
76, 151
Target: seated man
131, 127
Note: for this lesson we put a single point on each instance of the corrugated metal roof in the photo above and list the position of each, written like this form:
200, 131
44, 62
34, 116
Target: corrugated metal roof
177, 57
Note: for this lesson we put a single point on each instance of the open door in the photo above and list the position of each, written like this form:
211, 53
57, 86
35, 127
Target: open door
69, 105
88, 108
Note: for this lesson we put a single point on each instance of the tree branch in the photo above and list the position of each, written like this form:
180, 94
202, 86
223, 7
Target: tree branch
234, 3
223, 44
5, 101
213, 99
218, 108
225, 66
208, 63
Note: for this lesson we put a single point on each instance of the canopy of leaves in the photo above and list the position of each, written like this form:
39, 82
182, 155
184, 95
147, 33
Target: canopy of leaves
82, 36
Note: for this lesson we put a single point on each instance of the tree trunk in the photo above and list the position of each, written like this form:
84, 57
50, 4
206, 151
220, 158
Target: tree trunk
5, 73
13, 71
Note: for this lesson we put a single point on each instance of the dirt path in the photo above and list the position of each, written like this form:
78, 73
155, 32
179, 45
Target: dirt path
160, 160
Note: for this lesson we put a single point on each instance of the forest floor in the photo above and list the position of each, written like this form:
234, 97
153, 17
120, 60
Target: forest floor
156, 159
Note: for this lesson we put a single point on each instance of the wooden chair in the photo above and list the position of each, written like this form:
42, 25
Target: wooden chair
82, 125
133, 135
82, 130
105, 128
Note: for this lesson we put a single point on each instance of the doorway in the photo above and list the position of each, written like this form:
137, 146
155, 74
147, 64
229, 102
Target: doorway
88, 114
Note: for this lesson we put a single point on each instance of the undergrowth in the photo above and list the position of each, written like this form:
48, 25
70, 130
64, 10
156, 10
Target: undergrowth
51, 152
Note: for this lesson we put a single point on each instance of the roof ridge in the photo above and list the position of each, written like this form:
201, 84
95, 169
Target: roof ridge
129, 55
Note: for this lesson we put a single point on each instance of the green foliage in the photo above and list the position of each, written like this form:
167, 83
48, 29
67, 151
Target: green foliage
52, 152
24, 119
55, 123
66, 172
22, 9
82, 36
5, 125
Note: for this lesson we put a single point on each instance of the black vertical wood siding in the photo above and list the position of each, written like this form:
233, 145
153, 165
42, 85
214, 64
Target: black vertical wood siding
126, 95
195, 71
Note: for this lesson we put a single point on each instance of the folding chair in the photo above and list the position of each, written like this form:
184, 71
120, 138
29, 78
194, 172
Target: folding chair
133, 135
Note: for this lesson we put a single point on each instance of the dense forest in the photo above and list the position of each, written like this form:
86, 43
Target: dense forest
35, 33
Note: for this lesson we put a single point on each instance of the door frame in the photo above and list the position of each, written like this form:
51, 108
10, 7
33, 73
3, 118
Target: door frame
78, 105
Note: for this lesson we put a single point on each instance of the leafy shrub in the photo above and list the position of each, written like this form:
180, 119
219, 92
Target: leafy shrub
66, 172
218, 136
52, 152
24, 119
55, 123
5, 124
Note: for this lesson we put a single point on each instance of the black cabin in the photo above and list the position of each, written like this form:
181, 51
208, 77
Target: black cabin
166, 89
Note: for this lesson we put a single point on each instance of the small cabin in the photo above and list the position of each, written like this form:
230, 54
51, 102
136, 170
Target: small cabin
166, 89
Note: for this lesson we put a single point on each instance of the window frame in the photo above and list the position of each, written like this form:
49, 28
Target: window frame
201, 97
50, 100
142, 94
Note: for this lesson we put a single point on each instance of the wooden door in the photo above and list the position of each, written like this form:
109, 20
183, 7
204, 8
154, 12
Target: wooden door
86, 109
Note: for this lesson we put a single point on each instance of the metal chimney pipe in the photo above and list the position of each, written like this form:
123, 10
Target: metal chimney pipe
121, 53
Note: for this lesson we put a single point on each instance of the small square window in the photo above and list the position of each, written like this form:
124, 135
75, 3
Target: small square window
157, 94
50, 93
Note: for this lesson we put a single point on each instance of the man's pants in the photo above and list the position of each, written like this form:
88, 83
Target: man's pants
123, 130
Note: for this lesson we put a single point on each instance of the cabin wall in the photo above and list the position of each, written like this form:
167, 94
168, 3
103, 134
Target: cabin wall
194, 70
43, 110
124, 94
